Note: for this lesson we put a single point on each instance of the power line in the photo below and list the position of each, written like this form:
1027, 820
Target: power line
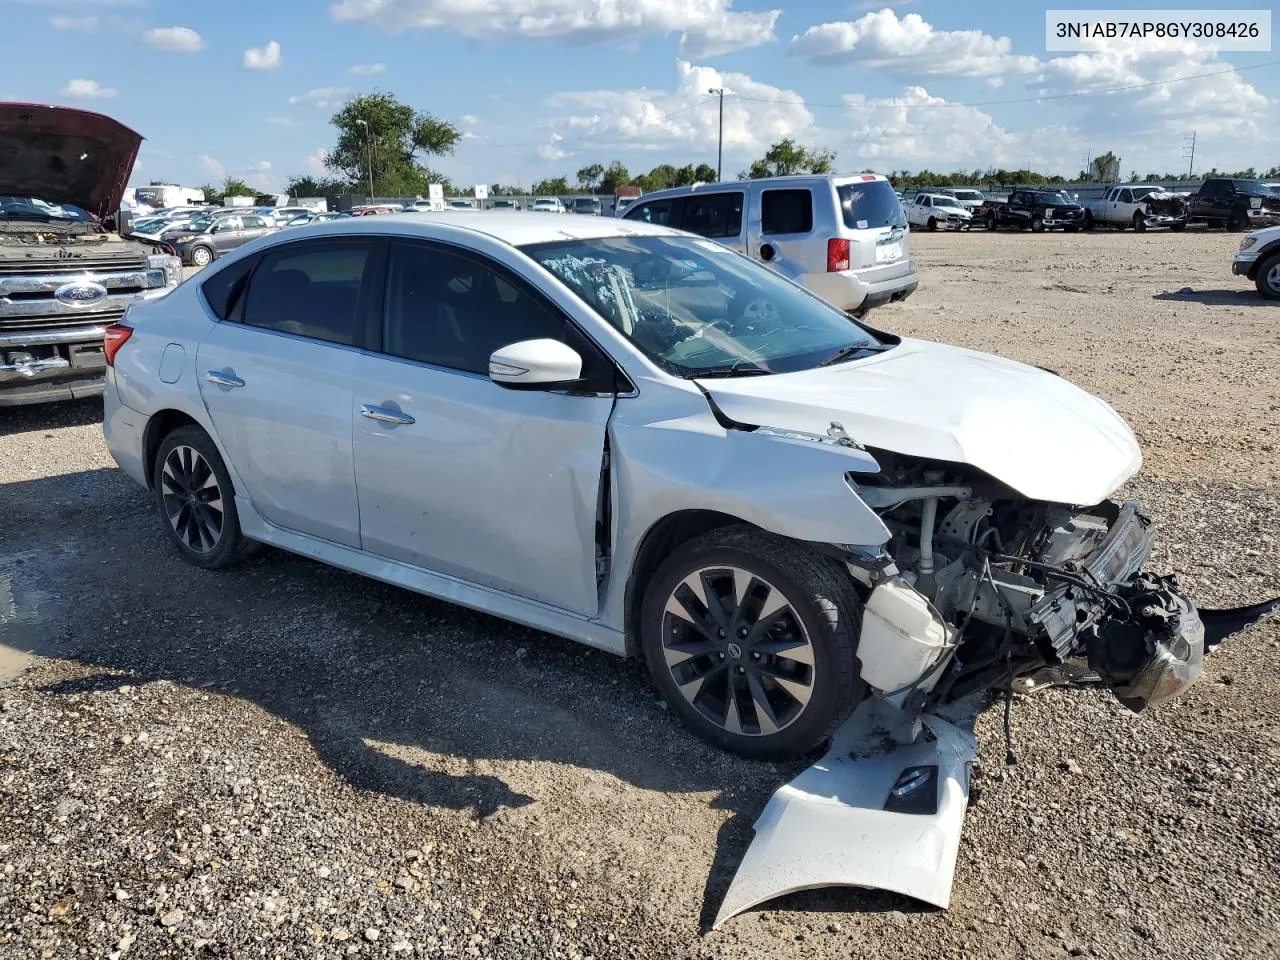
996, 103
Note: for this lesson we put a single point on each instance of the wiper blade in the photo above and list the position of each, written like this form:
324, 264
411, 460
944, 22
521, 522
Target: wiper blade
846, 353
731, 371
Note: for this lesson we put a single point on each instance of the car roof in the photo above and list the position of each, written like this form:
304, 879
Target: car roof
516, 228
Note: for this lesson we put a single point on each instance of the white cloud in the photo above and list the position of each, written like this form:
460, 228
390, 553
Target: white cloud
910, 47
262, 58
175, 39
315, 163
61, 21
87, 90
212, 167
469, 120
368, 69
262, 166
324, 98
552, 149
707, 27
685, 116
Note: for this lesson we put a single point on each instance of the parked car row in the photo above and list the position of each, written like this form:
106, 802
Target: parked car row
1232, 204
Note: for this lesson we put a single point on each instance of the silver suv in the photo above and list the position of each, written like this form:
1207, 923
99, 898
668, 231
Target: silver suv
843, 238
204, 239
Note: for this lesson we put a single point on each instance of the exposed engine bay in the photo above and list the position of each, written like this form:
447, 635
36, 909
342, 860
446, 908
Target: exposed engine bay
1016, 585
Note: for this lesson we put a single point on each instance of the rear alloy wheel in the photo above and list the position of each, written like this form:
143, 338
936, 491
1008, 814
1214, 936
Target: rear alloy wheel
751, 639
196, 500
201, 256
1269, 277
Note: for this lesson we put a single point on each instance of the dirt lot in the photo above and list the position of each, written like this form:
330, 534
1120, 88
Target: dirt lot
285, 760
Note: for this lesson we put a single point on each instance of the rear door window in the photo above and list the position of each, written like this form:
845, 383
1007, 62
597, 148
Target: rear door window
309, 289
786, 211
869, 204
665, 213
713, 215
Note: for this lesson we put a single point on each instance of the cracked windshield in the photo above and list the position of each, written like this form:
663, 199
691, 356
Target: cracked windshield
701, 310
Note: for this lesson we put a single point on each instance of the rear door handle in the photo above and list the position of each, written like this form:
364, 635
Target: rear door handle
224, 379
383, 415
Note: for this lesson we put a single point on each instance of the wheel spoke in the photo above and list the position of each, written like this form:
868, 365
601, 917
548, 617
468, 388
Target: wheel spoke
693, 686
201, 474
798, 650
766, 719
678, 652
732, 722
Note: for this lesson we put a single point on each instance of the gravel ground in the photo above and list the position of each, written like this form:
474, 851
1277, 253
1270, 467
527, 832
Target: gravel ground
285, 760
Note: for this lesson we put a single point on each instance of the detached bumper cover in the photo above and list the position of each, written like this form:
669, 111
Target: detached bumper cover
871, 813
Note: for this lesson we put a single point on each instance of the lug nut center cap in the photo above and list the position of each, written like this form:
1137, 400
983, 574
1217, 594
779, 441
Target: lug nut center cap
734, 651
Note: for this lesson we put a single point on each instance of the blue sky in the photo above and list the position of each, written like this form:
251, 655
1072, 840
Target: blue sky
543, 87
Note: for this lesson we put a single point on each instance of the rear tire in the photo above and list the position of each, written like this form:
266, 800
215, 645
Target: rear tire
992, 223
196, 500
752, 641
1238, 221
1269, 277
1177, 227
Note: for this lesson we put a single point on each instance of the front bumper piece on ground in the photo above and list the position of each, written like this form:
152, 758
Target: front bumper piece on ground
871, 813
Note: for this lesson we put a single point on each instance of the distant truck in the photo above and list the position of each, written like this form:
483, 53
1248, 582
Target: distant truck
1038, 210
161, 196
624, 197
1138, 206
1235, 204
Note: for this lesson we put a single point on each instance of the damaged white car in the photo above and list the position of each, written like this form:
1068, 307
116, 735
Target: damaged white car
647, 442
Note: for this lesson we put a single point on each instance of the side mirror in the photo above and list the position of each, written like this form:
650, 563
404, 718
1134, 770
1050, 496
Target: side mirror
535, 363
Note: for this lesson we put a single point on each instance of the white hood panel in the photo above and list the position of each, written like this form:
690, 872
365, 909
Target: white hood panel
1027, 428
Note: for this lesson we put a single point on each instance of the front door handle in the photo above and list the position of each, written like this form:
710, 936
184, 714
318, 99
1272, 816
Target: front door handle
224, 379
383, 415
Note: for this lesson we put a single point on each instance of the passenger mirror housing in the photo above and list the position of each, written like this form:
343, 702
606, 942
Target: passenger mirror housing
535, 364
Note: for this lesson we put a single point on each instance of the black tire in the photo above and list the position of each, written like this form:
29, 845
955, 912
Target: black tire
932, 224
202, 538
1037, 224
201, 256
1139, 223
992, 222
1088, 220
1268, 277
822, 609
1072, 229
1177, 227
1238, 221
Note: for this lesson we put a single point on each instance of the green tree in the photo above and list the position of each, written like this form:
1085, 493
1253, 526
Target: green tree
380, 135
1104, 168
212, 194
705, 173
615, 175
551, 187
590, 175
235, 187
685, 176
307, 186
786, 157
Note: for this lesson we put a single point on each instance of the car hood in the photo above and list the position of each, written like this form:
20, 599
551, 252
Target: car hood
1031, 430
63, 155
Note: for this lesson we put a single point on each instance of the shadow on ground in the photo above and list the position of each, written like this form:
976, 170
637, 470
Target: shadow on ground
1217, 298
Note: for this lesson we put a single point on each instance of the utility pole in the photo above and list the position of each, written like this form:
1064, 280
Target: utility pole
1191, 146
368, 140
720, 149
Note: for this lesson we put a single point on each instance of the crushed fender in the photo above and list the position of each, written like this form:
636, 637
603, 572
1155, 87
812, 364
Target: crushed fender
872, 812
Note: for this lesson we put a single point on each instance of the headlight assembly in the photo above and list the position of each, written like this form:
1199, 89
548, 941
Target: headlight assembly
172, 267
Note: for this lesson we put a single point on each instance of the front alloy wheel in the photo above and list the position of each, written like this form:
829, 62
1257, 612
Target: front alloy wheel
737, 651
751, 639
1269, 278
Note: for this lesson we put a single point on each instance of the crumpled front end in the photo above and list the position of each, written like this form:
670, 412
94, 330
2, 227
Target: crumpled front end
1165, 209
979, 586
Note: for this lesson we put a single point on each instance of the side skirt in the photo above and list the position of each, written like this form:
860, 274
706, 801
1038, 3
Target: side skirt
530, 613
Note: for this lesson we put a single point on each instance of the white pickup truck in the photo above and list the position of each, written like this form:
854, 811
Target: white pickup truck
1136, 206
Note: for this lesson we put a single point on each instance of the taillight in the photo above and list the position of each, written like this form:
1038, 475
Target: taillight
837, 255
115, 338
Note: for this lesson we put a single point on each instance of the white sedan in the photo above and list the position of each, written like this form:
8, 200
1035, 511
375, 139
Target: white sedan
642, 440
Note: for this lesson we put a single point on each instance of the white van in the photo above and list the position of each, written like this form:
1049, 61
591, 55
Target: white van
844, 238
